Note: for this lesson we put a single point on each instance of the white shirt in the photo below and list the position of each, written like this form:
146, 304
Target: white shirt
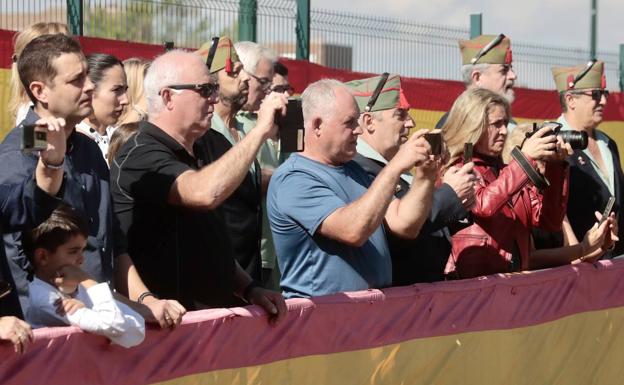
101, 315
101, 140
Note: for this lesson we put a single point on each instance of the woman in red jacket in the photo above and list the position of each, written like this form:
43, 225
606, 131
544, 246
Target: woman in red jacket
508, 204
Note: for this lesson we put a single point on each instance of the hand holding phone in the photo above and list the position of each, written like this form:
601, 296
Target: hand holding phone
607, 210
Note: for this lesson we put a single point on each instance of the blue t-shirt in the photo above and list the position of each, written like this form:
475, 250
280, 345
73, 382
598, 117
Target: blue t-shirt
302, 193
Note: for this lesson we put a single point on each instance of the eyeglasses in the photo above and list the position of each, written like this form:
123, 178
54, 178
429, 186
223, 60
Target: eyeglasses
282, 88
265, 83
594, 94
205, 90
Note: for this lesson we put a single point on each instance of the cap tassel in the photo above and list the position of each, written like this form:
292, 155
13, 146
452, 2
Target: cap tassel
603, 82
228, 65
570, 81
508, 57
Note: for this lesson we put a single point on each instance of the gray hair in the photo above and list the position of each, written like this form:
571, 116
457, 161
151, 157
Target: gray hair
251, 53
468, 69
318, 97
164, 71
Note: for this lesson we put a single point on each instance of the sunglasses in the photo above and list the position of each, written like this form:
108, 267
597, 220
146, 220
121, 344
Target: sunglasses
265, 83
283, 88
594, 94
205, 90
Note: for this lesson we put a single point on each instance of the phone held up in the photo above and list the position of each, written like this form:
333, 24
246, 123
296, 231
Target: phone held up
33, 140
291, 131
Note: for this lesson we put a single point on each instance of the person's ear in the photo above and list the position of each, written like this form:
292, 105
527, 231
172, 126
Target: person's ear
41, 256
39, 90
570, 100
317, 123
367, 122
165, 94
476, 77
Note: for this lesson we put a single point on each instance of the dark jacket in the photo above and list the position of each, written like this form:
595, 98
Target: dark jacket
242, 210
588, 194
507, 207
422, 259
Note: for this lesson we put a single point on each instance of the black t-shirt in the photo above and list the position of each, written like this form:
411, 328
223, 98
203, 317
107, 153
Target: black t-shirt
180, 253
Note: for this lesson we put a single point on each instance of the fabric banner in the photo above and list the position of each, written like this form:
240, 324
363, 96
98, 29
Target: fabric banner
429, 98
557, 326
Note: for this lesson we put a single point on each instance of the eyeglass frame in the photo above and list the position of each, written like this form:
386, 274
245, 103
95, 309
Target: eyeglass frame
592, 94
213, 88
265, 83
283, 88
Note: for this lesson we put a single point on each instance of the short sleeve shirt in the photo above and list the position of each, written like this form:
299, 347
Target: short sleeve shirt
181, 253
301, 195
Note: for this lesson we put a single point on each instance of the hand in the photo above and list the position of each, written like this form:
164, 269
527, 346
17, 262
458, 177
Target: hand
541, 145
68, 278
612, 234
165, 312
17, 331
462, 181
592, 242
65, 306
415, 152
562, 151
271, 301
274, 103
57, 141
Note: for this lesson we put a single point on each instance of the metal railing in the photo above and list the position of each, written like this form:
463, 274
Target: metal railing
338, 39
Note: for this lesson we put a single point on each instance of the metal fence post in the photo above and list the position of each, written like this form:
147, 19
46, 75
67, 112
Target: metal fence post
592, 30
621, 67
247, 20
75, 16
475, 25
303, 29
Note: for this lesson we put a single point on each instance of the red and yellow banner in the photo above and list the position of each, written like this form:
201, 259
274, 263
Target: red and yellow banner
558, 326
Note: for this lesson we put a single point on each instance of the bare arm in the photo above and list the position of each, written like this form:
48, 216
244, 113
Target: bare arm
353, 224
210, 186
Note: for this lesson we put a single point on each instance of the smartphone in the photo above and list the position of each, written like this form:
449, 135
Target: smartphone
291, 131
607, 210
33, 140
435, 141
168, 46
468, 152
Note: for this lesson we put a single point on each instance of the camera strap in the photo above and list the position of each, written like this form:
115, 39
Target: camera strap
535, 177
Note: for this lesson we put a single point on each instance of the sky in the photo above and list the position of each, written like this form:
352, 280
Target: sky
564, 23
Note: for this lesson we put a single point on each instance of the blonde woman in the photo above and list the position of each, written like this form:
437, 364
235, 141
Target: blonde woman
507, 204
19, 102
555, 249
136, 110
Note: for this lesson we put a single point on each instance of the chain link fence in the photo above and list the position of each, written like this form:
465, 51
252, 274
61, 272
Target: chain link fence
337, 39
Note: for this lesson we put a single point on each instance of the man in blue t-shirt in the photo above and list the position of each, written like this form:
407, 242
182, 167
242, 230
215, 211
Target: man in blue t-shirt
327, 216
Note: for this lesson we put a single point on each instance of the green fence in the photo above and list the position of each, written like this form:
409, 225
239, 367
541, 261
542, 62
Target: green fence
337, 39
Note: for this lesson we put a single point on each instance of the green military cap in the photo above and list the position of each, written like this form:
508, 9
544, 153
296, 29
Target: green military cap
486, 49
224, 56
390, 96
590, 75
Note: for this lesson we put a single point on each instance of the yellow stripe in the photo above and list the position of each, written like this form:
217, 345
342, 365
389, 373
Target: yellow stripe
6, 121
583, 348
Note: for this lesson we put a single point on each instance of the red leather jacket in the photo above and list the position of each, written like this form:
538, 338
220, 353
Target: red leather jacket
507, 207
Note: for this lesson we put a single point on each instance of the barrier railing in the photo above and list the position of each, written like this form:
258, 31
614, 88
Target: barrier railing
558, 326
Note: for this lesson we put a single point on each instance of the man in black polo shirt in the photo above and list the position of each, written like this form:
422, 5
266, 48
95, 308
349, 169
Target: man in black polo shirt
167, 200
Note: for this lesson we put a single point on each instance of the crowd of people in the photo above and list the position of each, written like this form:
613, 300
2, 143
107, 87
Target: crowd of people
164, 188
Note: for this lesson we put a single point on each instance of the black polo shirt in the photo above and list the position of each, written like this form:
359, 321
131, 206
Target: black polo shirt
180, 253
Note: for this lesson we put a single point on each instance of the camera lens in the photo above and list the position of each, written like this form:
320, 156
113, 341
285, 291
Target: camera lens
577, 139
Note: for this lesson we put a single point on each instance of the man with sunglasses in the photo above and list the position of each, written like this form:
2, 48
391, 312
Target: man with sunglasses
386, 124
169, 192
595, 172
487, 63
280, 80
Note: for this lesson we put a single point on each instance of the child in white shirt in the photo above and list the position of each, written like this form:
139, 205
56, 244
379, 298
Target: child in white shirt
63, 294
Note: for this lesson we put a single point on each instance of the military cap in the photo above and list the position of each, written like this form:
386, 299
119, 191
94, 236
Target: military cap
583, 76
486, 49
224, 57
391, 95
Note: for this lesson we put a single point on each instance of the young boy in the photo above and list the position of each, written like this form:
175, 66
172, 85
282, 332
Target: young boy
61, 293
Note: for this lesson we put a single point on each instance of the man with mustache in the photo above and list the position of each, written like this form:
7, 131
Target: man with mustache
242, 210
595, 172
487, 63
53, 70
385, 124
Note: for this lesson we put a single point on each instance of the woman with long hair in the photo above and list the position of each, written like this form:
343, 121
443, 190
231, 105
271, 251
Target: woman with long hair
508, 203
135, 69
19, 101
107, 74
